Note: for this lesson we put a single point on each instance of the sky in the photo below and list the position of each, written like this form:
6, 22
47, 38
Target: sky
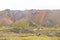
29, 4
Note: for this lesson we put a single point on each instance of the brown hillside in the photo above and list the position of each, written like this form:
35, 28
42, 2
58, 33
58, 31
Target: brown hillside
8, 17
5, 21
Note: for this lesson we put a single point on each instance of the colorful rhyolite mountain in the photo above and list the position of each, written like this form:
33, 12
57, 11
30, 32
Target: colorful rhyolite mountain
49, 17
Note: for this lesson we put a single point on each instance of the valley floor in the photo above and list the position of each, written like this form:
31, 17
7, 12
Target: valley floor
26, 37
46, 34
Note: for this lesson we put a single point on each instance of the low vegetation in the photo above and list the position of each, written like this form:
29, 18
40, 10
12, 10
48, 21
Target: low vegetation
29, 31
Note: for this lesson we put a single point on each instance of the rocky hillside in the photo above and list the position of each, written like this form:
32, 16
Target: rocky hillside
49, 17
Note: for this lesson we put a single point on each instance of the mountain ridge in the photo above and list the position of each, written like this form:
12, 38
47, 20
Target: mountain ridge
37, 16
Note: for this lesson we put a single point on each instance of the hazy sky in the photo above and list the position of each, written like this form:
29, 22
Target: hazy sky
29, 4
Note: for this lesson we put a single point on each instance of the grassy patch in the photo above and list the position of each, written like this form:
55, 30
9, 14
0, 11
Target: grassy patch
18, 37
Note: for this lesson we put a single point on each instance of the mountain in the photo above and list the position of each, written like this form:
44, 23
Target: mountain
49, 17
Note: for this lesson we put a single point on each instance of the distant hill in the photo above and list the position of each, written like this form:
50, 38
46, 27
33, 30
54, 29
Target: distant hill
50, 17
